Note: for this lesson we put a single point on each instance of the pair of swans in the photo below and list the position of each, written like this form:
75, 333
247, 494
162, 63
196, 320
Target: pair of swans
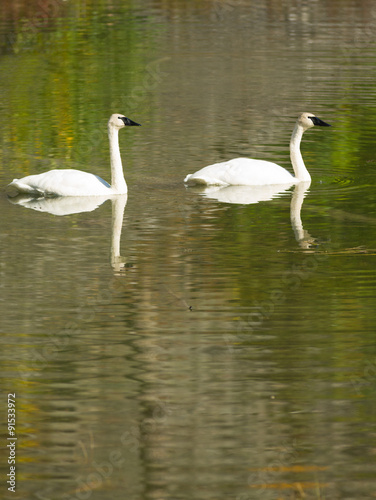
63, 192
236, 172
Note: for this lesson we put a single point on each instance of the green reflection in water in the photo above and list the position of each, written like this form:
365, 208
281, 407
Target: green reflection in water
64, 77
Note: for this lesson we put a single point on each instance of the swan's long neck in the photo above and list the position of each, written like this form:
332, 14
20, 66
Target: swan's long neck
118, 183
301, 173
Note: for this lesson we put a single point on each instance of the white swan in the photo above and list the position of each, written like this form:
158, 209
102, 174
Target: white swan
249, 172
69, 182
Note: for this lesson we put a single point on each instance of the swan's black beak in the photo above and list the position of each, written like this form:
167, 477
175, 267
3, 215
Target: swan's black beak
129, 122
317, 121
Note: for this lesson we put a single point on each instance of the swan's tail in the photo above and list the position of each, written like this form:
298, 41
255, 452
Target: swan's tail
188, 181
18, 187
201, 180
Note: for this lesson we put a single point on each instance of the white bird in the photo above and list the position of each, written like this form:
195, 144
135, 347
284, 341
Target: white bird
250, 172
69, 182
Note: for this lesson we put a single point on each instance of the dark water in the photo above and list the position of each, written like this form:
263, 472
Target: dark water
198, 348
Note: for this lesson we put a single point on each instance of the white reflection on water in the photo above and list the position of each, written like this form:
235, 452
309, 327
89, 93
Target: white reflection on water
68, 205
247, 195
244, 195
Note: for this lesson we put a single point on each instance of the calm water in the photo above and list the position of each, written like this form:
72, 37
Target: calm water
180, 344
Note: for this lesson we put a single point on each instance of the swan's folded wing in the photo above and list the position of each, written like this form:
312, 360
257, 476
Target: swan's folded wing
61, 182
241, 172
19, 186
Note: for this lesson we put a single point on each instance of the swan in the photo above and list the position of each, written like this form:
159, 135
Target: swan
69, 182
250, 172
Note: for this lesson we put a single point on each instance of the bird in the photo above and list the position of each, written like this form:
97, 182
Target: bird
251, 172
70, 182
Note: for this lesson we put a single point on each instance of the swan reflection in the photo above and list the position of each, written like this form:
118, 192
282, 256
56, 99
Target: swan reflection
302, 236
247, 195
60, 205
243, 195
69, 205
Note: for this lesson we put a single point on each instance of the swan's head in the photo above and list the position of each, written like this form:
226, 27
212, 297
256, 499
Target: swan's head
308, 120
119, 121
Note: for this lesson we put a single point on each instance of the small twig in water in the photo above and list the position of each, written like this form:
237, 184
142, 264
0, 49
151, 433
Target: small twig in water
178, 298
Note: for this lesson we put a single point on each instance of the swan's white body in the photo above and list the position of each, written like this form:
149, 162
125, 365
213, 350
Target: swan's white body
69, 182
249, 172
241, 172
64, 182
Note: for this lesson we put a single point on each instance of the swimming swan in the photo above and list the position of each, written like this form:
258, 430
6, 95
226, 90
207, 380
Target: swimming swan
249, 172
69, 182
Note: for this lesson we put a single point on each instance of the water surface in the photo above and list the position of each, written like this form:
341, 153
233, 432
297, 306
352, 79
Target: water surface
209, 349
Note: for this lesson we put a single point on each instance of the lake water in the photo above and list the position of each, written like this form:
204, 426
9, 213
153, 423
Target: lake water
177, 344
